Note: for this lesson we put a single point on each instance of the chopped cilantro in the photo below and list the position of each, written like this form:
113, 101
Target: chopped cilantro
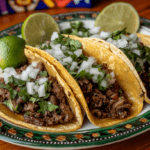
12, 92
148, 74
120, 90
15, 81
18, 108
43, 73
46, 106
27, 113
47, 86
33, 99
9, 104
2, 85
24, 94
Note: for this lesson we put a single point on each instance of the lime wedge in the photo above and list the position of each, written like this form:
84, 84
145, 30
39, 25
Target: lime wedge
38, 28
117, 16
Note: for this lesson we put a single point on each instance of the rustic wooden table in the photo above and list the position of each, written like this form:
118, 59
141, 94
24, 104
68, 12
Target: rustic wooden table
140, 142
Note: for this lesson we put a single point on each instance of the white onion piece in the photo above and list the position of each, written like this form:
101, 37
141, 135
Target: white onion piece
94, 71
114, 42
33, 75
110, 40
63, 48
89, 24
58, 54
80, 33
6, 77
112, 74
78, 52
91, 61
29, 69
67, 59
34, 64
54, 36
124, 37
42, 80
30, 86
8, 69
18, 76
104, 35
94, 78
84, 65
136, 51
94, 30
13, 72
41, 91
133, 37
24, 75
95, 36
133, 45
36, 88
36, 70
103, 83
55, 47
122, 43
73, 65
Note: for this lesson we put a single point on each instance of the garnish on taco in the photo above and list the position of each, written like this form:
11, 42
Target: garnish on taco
36, 97
101, 81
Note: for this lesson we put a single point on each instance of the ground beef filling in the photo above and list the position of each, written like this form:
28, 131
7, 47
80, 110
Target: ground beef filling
102, 104
145, 77
57, 97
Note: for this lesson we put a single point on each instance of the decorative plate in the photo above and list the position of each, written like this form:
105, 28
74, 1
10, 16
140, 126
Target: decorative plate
89, 135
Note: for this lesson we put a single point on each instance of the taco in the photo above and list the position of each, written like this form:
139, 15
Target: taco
138, 57
101, 81
36, 97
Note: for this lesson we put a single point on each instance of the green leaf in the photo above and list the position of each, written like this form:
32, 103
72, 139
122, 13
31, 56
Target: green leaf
27, 113
9, 104
16, 82
120, 90
148, 74
2, 85
11, 79
138, 67
18, 108
46, 106
47, 86
43, 73
12, 92
75, 43
24, 94
33, 99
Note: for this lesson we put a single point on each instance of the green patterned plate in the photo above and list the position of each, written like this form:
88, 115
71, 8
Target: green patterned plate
89, 135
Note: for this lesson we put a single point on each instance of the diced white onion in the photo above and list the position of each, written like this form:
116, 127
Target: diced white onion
94, 30
13, 72
112, 74
55, 47
94, 71
30, 89
34, 64
136, 51
133, 45
89, 24
41, 91
104, 35
110, 40
49, 51
114, 42
33, 75
29, 69
94, 78
63, 48
18, 76
24, 75
36, 70
42, 80
8, 69
67, 59
122, 43
78, 52
36, 88
80, 33
73, 65
6, 77
54, 36
91, 60
58, 54
104, 83
133, 37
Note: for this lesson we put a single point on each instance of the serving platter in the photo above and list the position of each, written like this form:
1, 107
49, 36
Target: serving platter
89, 135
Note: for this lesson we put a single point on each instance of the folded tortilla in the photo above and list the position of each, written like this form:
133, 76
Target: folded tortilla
18, 119
103, 53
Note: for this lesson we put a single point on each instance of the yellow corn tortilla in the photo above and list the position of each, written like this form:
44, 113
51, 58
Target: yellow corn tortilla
124, 75
77, 121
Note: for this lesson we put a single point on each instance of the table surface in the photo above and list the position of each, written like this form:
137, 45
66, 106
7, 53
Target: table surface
140, 142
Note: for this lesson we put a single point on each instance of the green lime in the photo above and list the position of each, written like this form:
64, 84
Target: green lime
12, 52
38, 28
117, 16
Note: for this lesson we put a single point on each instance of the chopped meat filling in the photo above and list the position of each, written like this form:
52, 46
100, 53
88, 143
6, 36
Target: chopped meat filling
110, 103
29, 109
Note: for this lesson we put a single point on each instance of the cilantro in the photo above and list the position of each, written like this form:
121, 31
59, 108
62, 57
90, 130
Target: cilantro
18, 108
33, 99
29, 79
43, 73
36, 82
148, 74
46, 106
75, 44
15, 81
117, 34
12, 92
108, 76
47, 86
66, 31
83, 74
24, 94
9, 104
2, 85
138, 67
76, 25
27, 113
120, 90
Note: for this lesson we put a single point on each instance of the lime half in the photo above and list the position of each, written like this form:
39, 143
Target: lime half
12, 52
117, 16
38, 28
